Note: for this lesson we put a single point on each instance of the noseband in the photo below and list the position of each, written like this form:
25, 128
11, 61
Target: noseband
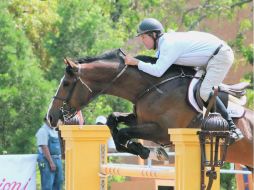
67, 111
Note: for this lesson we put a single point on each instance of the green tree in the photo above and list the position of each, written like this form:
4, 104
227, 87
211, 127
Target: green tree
36, 19
84, 29
47, 31
228, 181
23, 91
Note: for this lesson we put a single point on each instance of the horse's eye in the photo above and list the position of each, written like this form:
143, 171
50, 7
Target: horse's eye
66, 83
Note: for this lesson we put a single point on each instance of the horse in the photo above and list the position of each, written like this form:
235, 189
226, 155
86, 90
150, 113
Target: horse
156, 107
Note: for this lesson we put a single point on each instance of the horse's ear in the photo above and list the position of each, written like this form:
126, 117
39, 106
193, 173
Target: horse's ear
66, 62
72, 64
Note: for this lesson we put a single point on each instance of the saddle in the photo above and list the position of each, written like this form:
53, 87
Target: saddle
233, 96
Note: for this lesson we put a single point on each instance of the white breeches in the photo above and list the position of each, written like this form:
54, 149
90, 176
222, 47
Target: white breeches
216, 70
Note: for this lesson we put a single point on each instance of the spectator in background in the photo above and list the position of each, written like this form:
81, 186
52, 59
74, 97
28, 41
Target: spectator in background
101, 120
49, 157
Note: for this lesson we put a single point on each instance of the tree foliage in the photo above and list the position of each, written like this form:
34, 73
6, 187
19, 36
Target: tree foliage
35, 36
36, 19
23, 92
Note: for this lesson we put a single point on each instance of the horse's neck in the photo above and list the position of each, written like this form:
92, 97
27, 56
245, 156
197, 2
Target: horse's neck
104, 76
129, 85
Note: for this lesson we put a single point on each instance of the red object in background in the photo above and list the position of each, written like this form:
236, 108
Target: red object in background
80, 118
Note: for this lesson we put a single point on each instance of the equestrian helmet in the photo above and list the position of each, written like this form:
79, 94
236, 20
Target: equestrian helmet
149, 25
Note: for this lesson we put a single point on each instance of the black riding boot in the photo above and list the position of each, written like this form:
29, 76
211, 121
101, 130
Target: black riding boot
235, 132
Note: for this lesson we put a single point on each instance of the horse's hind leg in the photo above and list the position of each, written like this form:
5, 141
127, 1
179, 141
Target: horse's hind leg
113, 120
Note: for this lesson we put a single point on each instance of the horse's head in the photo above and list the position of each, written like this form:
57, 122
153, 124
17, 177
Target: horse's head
69, 97
74, 90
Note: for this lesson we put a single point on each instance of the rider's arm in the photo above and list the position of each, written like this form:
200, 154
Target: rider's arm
168, 54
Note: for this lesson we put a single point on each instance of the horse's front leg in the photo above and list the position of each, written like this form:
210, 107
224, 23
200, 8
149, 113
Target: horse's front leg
114, 119
148, 131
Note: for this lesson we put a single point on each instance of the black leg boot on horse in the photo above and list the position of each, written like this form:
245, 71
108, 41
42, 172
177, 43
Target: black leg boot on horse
235, 132
121, 138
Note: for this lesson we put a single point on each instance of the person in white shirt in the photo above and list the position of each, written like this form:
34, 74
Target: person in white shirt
193, 48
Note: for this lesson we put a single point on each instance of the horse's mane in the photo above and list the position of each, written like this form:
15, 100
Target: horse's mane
117, 54
114, 54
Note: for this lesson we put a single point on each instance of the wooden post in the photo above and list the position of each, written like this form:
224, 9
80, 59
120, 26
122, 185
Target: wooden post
188, 159
82, 160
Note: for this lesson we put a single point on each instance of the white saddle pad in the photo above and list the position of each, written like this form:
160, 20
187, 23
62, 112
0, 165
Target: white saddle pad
234, 110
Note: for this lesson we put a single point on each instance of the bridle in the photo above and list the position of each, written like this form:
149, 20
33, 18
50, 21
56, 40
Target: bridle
67, 111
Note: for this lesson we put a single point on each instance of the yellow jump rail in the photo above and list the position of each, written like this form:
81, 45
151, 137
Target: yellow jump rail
87, 169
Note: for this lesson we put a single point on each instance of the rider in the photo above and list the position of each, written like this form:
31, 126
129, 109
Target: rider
196, 49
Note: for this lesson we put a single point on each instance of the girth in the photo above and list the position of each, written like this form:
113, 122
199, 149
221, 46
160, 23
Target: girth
155, 86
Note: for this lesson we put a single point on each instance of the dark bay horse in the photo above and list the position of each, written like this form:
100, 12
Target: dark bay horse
156, 108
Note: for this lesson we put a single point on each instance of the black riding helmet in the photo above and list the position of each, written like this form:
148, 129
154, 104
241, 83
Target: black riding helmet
150, 25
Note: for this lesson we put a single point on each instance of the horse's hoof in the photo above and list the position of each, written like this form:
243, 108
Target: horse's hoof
159, 154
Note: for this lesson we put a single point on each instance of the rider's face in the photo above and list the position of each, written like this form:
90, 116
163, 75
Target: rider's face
147, 41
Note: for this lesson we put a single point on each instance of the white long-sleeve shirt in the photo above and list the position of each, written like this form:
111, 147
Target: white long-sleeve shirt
182, 48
